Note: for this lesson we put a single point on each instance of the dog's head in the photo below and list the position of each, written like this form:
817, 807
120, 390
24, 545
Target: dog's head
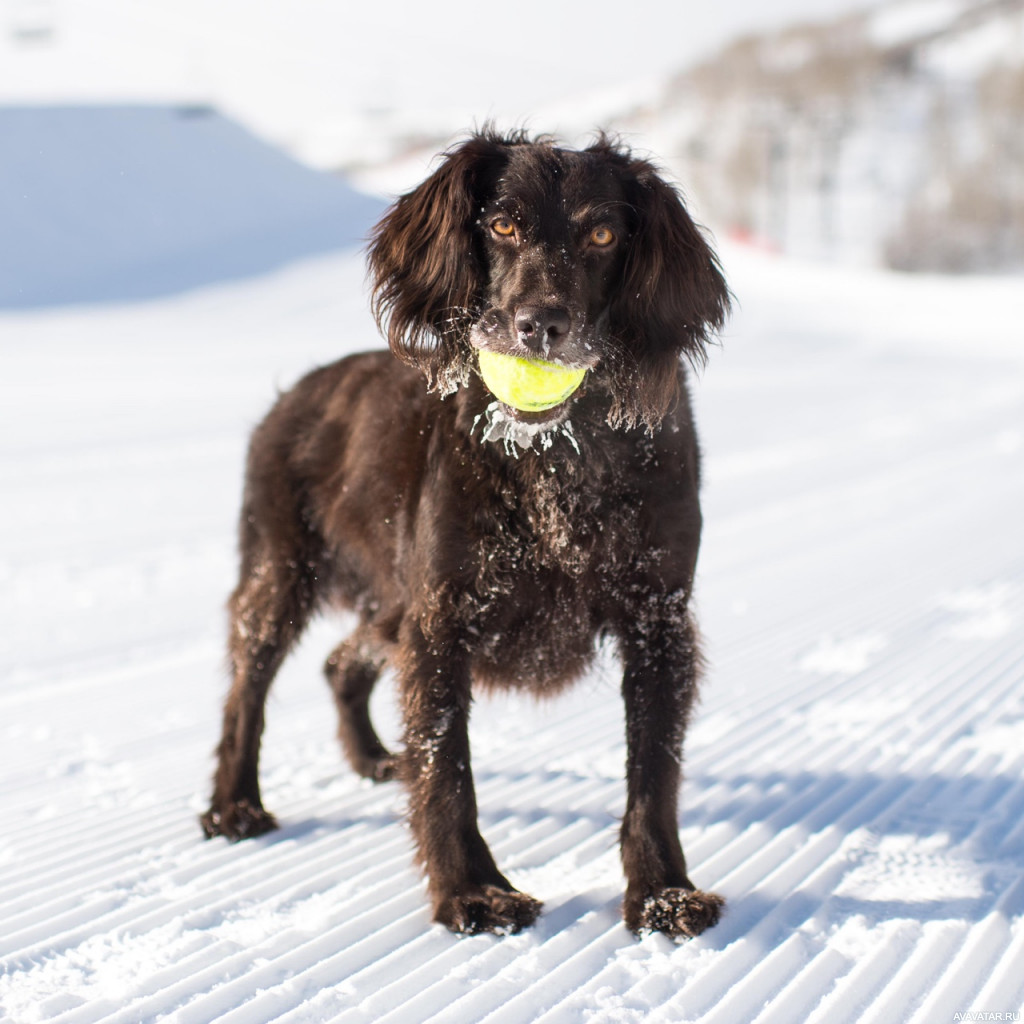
585, 258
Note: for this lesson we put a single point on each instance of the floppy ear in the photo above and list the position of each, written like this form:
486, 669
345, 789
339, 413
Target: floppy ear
425, 269
673, 299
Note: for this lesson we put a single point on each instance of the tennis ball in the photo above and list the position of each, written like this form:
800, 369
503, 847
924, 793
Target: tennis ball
529, 385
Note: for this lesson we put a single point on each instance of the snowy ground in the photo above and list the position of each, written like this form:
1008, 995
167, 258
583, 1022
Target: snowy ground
855, 774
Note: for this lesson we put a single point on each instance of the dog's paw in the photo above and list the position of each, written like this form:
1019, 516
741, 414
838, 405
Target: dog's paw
377, 769
677, 913
488, 909
238, 820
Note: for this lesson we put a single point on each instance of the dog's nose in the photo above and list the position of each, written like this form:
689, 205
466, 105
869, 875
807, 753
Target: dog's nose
539, 327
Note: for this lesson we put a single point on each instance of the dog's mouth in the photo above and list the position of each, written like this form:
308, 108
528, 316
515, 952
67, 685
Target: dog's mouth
531, 388
534, 422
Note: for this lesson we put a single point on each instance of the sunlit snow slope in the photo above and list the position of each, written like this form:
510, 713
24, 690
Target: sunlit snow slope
855, 773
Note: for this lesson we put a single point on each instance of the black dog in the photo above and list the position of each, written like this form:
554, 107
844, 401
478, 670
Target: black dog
484, 546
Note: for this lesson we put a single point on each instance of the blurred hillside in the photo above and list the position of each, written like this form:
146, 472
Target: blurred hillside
895, 136
892, 136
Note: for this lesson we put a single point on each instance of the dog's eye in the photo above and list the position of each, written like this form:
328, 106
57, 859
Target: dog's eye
602, 237
503, 226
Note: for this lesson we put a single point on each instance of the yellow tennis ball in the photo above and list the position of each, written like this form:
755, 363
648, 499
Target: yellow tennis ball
529, 385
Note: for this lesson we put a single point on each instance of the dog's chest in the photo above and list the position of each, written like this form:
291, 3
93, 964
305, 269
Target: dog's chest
543, 555
539, 526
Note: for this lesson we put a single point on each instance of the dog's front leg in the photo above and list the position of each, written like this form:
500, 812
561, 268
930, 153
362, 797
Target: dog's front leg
662, 663
468, 891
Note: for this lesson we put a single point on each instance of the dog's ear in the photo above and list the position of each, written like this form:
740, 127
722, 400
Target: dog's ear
424, 265
672, 301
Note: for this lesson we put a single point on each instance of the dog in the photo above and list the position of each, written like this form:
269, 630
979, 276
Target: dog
484, 546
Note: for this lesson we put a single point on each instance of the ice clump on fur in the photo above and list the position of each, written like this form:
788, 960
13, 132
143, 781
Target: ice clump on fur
514, 434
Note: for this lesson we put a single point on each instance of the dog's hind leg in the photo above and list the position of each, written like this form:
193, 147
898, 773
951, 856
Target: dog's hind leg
352, 671
270, 607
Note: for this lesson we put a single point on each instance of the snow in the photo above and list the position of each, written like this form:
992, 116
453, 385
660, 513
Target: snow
902, 22
855, 776
978, 43
106, 203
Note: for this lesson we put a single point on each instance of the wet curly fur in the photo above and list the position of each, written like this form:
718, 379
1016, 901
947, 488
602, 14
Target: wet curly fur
483, 546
